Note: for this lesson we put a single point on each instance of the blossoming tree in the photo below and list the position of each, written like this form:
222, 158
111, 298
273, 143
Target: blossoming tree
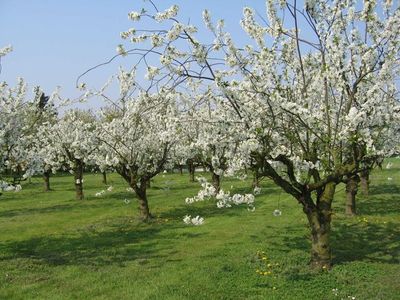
19, 120
316, 102
70, 143
138, 143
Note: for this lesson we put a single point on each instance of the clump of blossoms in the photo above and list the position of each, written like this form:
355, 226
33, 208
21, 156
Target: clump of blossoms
196, 221
224, 199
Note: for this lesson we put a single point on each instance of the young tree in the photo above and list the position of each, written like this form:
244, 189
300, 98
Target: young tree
138, 143
70, 142
19, 118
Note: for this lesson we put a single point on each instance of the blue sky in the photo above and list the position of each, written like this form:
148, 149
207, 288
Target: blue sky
55, 41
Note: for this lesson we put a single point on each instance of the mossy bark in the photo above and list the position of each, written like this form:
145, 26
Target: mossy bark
319, 218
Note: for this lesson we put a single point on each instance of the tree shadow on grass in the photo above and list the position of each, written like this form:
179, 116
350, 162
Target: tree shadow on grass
366, 242
29, 211
141, 243
383, 200
362, 241
73, 205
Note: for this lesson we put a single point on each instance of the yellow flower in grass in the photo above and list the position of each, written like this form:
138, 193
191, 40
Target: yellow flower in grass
267, 273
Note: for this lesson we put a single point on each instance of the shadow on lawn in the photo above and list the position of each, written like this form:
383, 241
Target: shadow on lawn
384, 189
384, 200
29, 211
353, 242
117, 246
366, 242
73, 205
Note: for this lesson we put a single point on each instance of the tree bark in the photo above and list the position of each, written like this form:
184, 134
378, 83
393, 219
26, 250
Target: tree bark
192, 170
256, 179
104, 177
141, 193
319, 218
180, 169
364, 182
216, 181
46, 181
351, 192
78, 175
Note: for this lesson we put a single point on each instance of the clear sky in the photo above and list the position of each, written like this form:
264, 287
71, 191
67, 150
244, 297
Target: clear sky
56, 40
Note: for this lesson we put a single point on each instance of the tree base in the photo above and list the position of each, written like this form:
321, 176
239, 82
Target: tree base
320, 265
147, 218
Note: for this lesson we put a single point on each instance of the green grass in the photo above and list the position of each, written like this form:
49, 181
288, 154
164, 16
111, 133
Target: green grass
54, 247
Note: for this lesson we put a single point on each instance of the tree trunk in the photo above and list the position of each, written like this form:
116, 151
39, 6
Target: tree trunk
216, 181
256, 179
141, 193
46, 180
78, 172
351, 192
180, 169
104, 177
319, 218
364, 182
192, 169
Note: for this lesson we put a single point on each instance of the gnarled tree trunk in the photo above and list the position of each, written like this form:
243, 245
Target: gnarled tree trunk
46, 181
351, 192
78, 175
319, 218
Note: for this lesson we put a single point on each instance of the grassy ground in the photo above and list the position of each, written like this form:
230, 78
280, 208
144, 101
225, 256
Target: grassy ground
54, 247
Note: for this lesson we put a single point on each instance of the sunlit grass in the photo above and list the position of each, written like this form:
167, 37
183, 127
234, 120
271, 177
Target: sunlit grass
55, 247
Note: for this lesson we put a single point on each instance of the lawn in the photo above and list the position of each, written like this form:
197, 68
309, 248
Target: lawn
55, 247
